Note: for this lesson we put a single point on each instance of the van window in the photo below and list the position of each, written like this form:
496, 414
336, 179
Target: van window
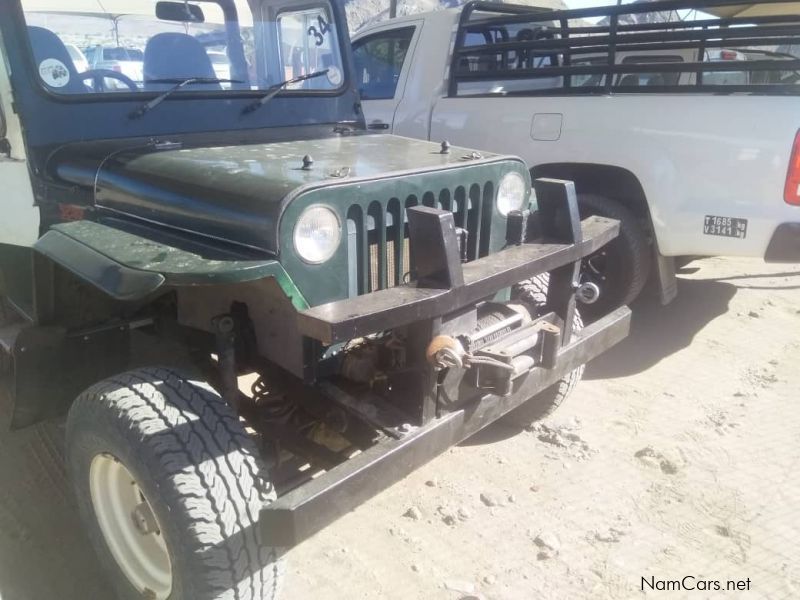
595, 80
655, 78
123, 54
379, 60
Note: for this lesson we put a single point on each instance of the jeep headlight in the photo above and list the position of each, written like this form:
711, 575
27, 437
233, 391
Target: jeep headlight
317, 234
511, 193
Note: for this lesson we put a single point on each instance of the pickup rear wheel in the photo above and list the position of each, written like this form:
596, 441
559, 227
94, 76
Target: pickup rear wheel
620, 268
169, 486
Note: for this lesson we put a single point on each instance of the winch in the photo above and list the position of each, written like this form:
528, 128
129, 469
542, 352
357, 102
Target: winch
505, 342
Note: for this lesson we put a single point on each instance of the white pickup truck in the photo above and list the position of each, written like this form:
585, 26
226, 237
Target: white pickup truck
685, 131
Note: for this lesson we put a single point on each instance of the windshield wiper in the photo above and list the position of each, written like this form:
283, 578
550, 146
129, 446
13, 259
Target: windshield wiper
277, 88
179, 84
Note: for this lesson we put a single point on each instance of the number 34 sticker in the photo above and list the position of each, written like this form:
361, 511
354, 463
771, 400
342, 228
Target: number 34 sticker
319, 30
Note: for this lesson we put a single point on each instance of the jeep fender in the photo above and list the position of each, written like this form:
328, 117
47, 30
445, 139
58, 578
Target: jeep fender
130, 269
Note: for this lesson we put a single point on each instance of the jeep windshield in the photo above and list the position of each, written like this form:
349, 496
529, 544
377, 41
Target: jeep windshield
146, 47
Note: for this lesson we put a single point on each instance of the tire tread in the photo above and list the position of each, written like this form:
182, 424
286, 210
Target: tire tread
206, 463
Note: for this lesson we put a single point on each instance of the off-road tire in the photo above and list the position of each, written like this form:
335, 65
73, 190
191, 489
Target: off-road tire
628, 256
198, 469
545, 402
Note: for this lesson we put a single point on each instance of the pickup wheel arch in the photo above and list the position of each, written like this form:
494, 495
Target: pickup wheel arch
610, 181
623, 187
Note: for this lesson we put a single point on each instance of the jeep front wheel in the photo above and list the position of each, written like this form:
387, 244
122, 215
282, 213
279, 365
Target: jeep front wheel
169, 485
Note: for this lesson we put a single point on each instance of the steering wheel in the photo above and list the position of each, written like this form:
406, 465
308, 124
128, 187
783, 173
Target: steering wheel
98, 77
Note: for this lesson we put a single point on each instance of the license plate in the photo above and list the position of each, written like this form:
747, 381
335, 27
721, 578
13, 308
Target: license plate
725, 226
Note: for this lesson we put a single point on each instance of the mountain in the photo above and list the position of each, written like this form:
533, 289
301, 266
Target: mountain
362, 12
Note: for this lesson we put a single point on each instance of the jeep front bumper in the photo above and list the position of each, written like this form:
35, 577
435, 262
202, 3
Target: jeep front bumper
444, 286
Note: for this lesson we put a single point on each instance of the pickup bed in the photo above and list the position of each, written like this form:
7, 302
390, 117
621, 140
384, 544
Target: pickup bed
687, 132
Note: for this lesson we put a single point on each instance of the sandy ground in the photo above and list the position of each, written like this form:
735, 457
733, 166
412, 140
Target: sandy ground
678, 455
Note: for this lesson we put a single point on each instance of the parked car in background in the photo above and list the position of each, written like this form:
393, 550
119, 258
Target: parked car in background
78, 58
696, 158
128, 61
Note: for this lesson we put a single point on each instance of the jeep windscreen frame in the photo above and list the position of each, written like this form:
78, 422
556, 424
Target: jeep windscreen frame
251, 34
191, 115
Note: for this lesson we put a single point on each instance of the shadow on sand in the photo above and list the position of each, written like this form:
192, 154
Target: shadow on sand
659, 331
44, 552
656, 332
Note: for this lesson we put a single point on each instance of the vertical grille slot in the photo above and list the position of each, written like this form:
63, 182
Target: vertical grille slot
474, 218
410, 201
460, 208
377, 247
486, 218
397, 248
357, 249
445, 202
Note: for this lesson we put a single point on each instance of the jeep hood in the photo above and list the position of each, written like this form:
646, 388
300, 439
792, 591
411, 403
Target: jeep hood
238, 193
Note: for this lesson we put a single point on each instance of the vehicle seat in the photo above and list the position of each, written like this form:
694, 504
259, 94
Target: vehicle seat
50, 53
176, 56
629, 80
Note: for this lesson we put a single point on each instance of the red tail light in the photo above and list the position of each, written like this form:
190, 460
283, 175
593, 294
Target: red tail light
792, 191
728, 55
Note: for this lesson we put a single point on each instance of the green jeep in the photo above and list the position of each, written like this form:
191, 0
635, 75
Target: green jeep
206, 208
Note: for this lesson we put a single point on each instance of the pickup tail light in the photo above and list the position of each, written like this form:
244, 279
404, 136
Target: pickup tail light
791, 193
728, 55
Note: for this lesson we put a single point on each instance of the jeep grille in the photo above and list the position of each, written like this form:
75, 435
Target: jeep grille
377, 241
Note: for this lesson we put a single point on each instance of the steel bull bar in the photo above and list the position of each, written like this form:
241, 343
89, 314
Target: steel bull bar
444, 285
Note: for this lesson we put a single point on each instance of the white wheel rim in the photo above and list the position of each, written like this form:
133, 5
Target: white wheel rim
130, 527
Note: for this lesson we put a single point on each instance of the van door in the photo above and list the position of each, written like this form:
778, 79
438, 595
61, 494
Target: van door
382, 61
